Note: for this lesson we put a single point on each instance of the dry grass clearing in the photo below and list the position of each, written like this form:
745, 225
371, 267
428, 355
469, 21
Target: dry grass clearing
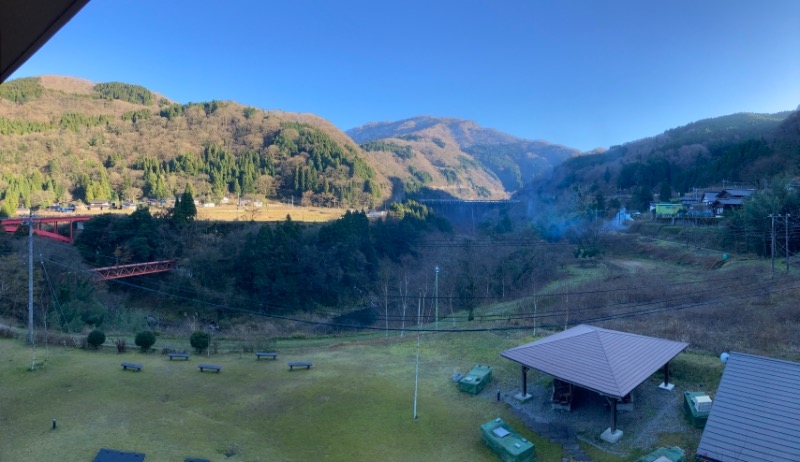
270, 212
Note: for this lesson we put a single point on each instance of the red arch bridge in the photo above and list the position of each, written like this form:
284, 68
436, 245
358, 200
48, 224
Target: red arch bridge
63, 228
58, 228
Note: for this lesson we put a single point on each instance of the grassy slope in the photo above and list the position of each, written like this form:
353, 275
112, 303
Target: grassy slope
354, 404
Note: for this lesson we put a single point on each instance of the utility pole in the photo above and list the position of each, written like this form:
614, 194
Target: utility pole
416, 373
772, 240
787, 241
436, 294
30, 276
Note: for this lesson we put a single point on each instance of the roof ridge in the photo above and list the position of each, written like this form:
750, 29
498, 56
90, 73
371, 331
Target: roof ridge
766, 358
608, 360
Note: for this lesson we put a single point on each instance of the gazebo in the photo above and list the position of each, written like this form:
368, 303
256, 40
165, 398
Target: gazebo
608, 362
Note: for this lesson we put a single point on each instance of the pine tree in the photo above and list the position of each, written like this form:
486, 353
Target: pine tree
185, 210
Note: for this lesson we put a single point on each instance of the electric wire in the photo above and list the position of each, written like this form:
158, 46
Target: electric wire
500, 317
481, 329
486, 317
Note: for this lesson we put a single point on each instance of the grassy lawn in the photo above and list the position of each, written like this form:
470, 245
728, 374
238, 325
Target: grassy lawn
355, 403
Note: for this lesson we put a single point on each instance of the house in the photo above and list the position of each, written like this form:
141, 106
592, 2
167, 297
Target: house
688, 202
156, 202
709, 197
668, 210
700, 210
754, 416
101, 204
729, 199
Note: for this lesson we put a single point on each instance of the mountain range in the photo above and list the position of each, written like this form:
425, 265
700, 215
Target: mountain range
458, 157
744, 148
66, 139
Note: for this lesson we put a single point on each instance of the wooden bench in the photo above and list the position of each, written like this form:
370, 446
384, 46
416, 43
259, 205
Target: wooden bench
131, 366
178, 356
272, 355
306, 364
210, 367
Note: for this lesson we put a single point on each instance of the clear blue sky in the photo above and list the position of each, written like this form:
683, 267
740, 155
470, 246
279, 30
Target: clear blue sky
583, 73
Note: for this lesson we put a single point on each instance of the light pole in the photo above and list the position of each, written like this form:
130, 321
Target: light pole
436, 296
30, 276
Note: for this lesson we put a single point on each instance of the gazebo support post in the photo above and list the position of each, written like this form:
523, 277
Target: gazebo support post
523, 395
613, 415
665, 385
612, 433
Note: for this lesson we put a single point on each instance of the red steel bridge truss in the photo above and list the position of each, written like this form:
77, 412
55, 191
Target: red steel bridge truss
58, 228
133, 269
63, 228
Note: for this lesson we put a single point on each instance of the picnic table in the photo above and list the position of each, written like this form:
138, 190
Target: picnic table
306, 364
210, 367
131, 366
113, 455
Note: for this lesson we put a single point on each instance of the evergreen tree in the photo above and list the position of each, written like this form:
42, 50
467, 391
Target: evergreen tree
665, 192
185, 210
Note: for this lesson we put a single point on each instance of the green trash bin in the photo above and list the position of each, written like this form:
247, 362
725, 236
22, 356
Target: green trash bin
697, 406
506, 443
673, 454
476, 379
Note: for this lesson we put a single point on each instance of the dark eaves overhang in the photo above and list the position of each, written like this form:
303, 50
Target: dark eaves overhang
26, 25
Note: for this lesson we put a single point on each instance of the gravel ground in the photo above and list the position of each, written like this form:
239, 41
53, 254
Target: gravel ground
655, 411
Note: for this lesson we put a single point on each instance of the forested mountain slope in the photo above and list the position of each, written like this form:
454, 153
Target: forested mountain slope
67, 139
745, 148
457, 156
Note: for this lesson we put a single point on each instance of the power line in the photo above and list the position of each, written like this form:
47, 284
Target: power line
609, 317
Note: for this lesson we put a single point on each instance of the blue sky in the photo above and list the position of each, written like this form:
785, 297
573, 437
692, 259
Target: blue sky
582, 73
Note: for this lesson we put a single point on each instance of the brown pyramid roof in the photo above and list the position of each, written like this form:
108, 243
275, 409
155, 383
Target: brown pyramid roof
608, 362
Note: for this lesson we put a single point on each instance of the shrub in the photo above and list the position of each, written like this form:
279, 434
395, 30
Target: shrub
200, 340
96, 338
5, 331
145, 340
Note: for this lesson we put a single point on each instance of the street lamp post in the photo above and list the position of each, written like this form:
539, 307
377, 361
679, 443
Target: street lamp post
436, 296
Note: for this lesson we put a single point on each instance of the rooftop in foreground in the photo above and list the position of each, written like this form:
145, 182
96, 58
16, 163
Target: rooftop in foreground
756, 412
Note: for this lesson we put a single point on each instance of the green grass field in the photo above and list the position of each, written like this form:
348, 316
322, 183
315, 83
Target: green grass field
355, 403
